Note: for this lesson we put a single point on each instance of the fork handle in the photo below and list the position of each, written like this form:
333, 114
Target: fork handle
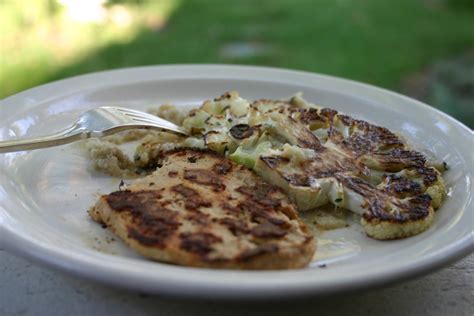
64, 137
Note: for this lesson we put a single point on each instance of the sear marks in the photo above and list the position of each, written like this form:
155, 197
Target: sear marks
261, 194
363, 138
193, 201
349, 149
241, 131
198, 218
127, 200
198, 243
222, 167
308, 116
236, 226
152, 222
212, 213
382, 205
326, 164
401, 186
206, 177
414, 209
306, 139
429, 175
398, 159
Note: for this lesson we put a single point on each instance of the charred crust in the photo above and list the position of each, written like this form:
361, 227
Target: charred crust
198, 218
192, 159
401, 187
205, 177
241, 131
379, 208
358, 144
429, 175
345, 119
421, 199
199, 243
230, 209
131, 201
328, 113
197, 152
262, 215
261, 194
193, 201
225, 96
399, 157
306, 139
308, 116
417, 208
358, 185
377, 134
222, 167
151, 236
151, 222
364, 137
237, 227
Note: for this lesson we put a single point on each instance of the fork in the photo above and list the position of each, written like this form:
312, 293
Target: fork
95, 123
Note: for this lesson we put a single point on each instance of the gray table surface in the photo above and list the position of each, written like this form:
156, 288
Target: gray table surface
29, 289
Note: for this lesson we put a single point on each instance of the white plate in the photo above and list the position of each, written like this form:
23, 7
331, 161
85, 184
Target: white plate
44, 194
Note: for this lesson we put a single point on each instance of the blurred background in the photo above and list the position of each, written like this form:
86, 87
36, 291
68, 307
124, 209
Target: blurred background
421, 48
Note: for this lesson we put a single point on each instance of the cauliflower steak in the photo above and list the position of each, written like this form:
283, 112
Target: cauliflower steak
201, 209
318, 155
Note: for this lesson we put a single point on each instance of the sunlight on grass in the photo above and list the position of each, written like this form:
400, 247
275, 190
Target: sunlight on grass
368, 41
39, 37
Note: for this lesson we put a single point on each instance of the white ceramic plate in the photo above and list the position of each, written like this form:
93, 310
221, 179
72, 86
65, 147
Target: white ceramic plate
44, 194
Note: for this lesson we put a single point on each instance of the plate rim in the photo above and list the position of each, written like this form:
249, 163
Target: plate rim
50, 256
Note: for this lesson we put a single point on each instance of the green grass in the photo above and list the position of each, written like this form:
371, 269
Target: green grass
374, 41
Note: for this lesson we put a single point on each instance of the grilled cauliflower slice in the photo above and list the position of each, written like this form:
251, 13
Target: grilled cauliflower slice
318, 155
200, 209
385, 213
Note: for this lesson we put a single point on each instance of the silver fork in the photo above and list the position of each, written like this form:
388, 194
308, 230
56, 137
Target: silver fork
97, 122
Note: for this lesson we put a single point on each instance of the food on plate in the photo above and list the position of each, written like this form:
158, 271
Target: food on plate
201, 209
316, 155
